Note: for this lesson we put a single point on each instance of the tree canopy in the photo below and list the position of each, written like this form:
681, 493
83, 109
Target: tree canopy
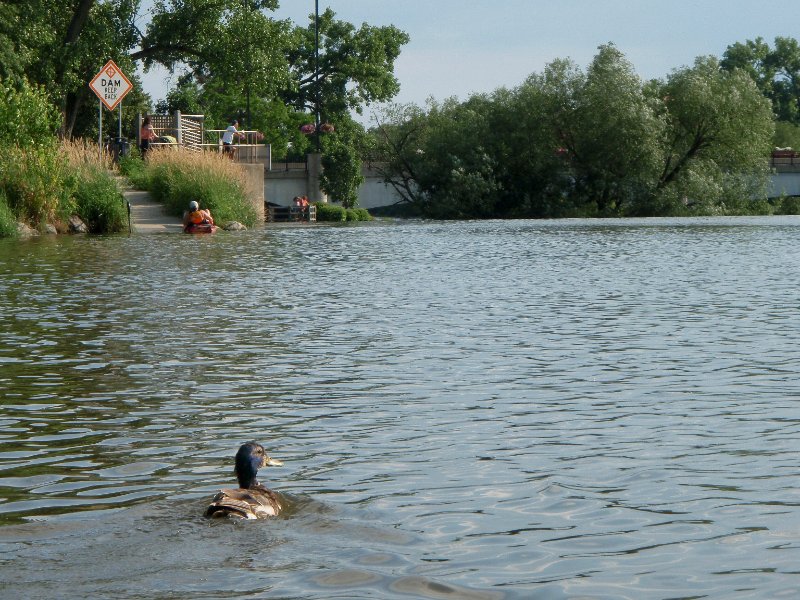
232, 51
569, 142
775, 70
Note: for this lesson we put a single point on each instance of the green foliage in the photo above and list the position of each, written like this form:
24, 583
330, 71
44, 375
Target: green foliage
341, 176
775, 71
329, 212
356, 66
601, 143
27, 118
8, 221
134, 169
787, 135
719, 133
339, 214
788, 205
36, 183
99, 203
358, 214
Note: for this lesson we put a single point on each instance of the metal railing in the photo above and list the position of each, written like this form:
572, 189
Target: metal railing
290, 163
289, 214
785, 159
247, 146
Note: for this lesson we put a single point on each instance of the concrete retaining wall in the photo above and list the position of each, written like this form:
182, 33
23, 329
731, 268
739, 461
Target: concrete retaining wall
254, 186
281, 186
784, 184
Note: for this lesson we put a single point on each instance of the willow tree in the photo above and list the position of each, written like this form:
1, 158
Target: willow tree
569, 142
775, 71
718, 135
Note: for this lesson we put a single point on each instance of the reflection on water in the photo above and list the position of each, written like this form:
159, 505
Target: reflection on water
559, 409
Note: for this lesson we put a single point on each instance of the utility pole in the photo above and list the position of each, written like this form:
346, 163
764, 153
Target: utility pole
316, 75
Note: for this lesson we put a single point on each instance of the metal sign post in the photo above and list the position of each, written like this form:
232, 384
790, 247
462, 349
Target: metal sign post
100, 129
111, 86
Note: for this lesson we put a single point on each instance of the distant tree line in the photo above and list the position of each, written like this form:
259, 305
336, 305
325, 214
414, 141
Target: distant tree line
599, 142
776, 72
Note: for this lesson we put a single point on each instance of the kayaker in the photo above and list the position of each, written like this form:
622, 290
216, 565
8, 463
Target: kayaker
196, 216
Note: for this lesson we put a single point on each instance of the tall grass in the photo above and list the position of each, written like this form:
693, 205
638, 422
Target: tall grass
175, 177
96, 197
46, 183
8, 221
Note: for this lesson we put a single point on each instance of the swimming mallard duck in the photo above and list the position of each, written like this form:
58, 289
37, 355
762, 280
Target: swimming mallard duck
252, 500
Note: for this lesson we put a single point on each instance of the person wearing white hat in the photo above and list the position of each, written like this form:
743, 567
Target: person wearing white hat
196, 216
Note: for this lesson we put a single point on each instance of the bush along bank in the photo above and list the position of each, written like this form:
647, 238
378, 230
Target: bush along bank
44, 183
176, 177
58, 188
339, 214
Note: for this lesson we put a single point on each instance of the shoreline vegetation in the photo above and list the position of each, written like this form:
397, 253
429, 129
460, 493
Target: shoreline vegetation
568, 142
48, 185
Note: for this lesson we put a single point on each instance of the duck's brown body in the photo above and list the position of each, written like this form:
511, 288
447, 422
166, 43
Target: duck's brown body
251, 500
253, 503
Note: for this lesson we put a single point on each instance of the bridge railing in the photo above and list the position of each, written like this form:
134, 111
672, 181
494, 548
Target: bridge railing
785, 160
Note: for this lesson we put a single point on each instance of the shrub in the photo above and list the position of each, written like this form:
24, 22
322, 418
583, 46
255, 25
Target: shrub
358, 214
36, 184
95, 196
329, 212
99, 203
134, 169
27, 118
789, 205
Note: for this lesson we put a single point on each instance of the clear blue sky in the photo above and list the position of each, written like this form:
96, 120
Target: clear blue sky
459, 47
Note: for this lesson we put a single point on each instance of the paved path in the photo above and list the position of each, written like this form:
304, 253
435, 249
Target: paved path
148, 216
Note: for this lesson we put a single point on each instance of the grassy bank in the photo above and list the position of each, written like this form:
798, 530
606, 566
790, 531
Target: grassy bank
44, 185
176, 177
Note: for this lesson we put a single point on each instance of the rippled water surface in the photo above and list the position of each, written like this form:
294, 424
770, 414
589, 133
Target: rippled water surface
562, 409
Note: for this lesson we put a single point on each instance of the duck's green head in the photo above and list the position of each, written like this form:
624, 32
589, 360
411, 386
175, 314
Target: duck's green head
249, 459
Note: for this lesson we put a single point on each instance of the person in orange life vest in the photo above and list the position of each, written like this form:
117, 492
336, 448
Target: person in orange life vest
196, 216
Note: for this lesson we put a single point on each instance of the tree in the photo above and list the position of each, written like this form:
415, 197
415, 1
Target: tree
611, 133
437, 160
342, 164
355, 67
775, 71
719, 132
569, 143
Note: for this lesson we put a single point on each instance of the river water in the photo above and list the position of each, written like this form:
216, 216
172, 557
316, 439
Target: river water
480, 410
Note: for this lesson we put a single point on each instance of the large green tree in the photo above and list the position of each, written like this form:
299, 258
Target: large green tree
600, 142
232, 50
719, 130
775, 70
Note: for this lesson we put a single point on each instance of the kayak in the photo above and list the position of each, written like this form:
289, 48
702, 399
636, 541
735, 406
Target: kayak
200, 228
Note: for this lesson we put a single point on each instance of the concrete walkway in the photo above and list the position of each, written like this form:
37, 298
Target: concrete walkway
148, 216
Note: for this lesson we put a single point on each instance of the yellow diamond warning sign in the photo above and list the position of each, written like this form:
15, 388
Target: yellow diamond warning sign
111, 85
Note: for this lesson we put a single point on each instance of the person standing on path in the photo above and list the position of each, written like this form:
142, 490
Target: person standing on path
146, 135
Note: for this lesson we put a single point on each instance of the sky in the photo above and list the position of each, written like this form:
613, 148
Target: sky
462, 47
